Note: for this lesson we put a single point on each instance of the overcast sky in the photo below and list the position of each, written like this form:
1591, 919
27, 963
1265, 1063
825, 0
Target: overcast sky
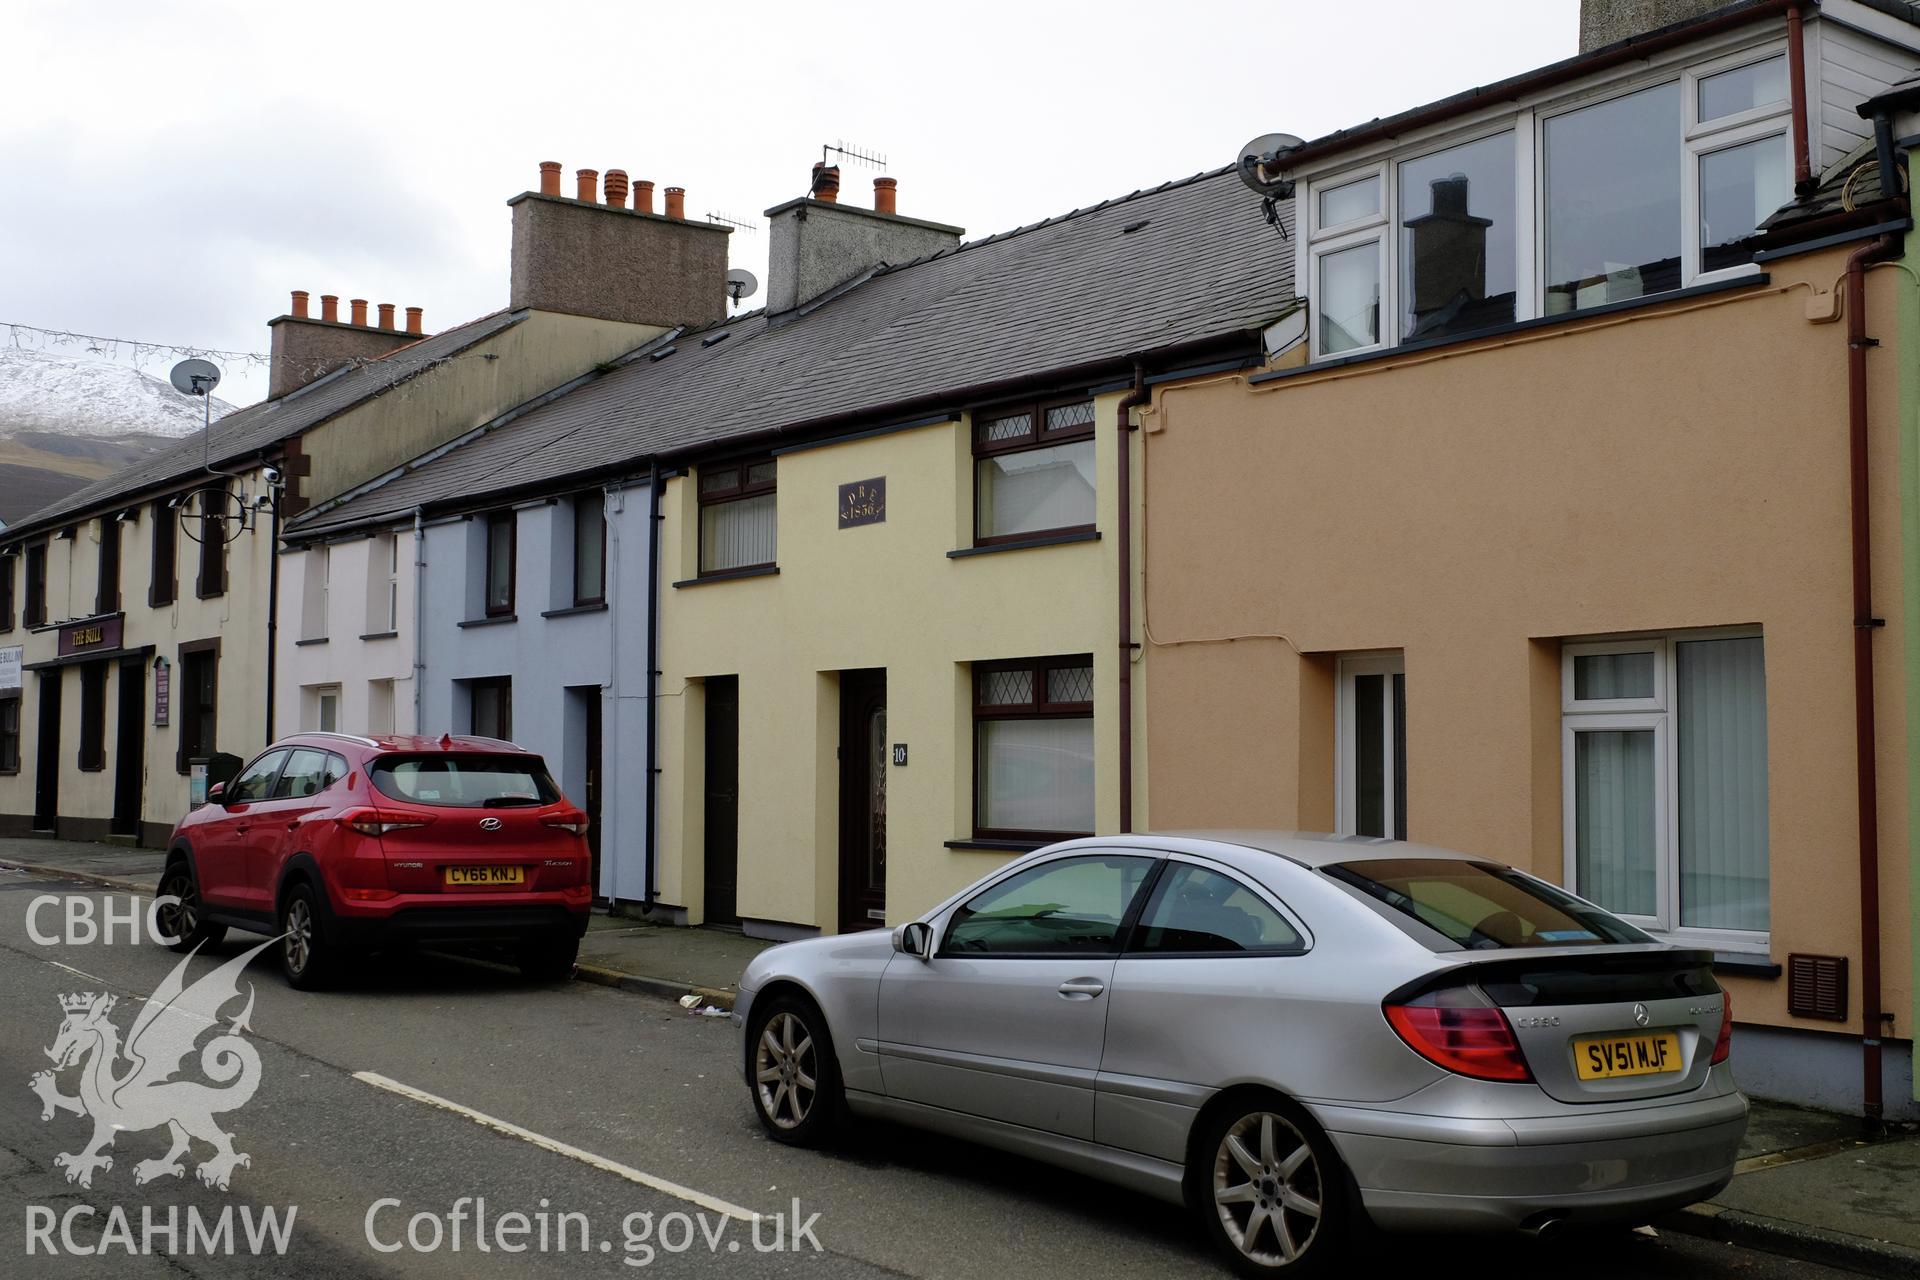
169, 171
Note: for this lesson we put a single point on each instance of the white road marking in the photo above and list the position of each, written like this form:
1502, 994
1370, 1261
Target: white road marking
78, 973
554, 1145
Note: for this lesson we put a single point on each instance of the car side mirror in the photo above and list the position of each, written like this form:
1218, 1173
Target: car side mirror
915, 939
216, 794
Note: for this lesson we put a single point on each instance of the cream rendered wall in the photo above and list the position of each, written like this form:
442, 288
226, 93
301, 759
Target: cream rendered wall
238, 619
357, 577
533, 357
883, 595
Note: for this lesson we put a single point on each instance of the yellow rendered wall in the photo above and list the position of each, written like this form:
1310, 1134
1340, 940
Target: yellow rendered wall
883, 595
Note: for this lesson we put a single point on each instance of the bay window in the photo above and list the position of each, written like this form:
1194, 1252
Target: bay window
1033, 748
1665, 760
1033, 472
738, 516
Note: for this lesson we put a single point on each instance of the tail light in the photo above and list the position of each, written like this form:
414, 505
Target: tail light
574, 824
1453, 1031
373, 822
1723, 1045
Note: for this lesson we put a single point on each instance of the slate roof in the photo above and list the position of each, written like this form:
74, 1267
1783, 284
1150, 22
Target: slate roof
245, 434
1185, 262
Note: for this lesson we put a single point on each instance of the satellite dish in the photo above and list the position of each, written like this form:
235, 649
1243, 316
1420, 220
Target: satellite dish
1262, 161
195, 377
741, 283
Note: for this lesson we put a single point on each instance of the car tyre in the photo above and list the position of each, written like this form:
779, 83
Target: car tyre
792, 1072
548, 960
306, 956
1269, 1190
186, 922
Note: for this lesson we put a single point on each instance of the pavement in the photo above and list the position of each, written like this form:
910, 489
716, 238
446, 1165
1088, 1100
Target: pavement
1807, 1187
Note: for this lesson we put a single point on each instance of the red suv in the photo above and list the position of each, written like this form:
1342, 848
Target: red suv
347, 845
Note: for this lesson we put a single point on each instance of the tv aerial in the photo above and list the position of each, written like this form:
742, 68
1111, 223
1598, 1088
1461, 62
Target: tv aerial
1262, 167
741, 283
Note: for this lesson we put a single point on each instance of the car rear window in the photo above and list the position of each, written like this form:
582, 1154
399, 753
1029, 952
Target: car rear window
1481, 906
465, 781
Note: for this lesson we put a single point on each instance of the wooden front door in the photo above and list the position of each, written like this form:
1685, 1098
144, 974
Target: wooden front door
130, 748
863, 800
46, 776
723, 800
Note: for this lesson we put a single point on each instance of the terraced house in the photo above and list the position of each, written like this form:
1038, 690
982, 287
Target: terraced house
1577, 533
863, 549
141, 609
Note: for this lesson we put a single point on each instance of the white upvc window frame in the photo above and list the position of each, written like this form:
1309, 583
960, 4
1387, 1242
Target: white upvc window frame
1528, 123
1346, 784
1657, 715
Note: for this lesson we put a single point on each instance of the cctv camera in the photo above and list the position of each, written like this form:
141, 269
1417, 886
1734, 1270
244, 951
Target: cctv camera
270, 474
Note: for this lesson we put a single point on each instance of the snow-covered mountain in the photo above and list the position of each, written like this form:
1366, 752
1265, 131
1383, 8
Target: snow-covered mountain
66, 421
72, 395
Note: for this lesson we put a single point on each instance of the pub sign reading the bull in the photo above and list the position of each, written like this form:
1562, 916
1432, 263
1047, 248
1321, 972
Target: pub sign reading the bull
863, 502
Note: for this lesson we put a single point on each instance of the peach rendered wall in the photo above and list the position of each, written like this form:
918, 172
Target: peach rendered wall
1673, 467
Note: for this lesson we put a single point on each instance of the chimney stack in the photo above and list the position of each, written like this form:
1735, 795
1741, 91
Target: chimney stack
1604, 22
587, 258
817, 243
305, 348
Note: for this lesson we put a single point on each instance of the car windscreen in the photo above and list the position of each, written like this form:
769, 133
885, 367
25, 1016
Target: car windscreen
465, 781
1482, 906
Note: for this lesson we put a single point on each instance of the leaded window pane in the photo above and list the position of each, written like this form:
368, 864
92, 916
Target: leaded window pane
1006, 688
1066, 417
1070, 684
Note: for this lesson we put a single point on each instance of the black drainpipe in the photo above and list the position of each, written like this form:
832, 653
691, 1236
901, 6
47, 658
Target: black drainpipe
653, 672
1123, 419
273, 605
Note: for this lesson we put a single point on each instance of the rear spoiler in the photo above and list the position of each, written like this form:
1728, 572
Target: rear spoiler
1567, 975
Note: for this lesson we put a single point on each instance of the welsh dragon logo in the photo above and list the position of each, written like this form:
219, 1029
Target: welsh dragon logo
132, 1088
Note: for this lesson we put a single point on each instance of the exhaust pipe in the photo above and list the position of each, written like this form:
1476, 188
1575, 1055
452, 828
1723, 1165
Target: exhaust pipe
1545, 1226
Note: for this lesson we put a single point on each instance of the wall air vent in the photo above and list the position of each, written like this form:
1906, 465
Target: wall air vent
1817, 987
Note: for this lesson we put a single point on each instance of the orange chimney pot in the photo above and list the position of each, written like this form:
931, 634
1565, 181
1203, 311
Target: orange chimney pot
299, 304
826, 182
616, 185
549, 177
883, 194
386, 315
359, 315
676, 202
330, 308
586, 185
643, 196
413, 319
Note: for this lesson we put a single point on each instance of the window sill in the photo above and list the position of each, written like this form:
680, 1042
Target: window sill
573, 609
497, 620
1735, 965
380, 635
1044, 540
1373, 354
1001, 846
729, 575
310, 640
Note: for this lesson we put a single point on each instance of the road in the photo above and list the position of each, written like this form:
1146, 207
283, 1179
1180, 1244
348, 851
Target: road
621, 1108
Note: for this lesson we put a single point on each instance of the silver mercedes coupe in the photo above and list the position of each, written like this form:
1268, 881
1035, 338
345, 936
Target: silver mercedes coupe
1300, 1036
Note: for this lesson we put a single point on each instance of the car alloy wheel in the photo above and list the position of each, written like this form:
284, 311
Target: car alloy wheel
179, 919
1268, 1189
786, 1071
299, 939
